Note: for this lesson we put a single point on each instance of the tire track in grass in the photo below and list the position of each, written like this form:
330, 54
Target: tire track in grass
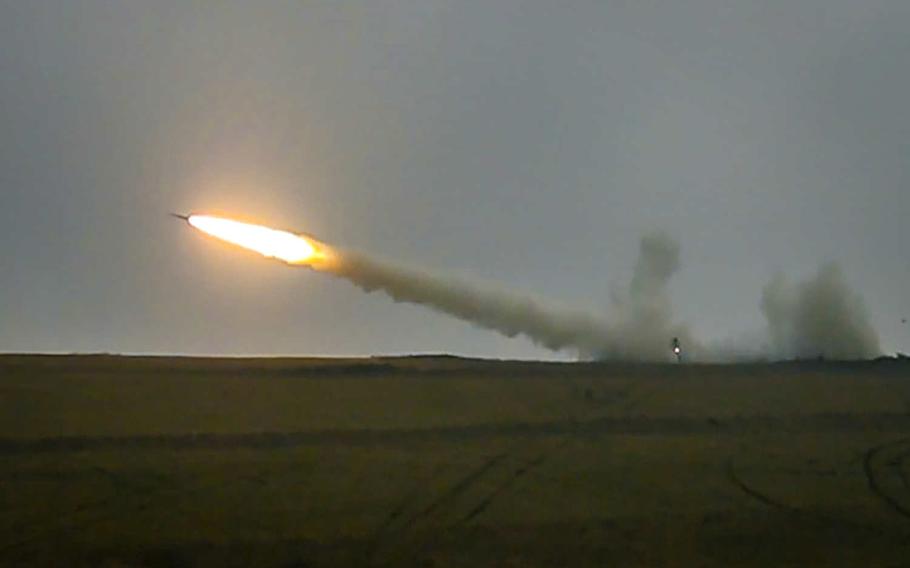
753, 493
387, 536
873, 466
456, 490
502, 488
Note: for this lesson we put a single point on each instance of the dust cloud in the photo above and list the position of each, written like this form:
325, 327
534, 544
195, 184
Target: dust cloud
820, 317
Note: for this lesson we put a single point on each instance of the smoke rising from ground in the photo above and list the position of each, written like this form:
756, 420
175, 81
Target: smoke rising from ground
819, 317
642, 326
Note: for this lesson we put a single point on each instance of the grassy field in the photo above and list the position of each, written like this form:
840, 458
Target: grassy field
440, 461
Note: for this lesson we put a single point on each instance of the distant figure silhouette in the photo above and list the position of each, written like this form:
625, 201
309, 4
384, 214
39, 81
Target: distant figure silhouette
677, 350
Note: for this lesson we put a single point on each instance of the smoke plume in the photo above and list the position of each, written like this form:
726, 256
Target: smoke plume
507, 313
642, 327
642, 330
820, 317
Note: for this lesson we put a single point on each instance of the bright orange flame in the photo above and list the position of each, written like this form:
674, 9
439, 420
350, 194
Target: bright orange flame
272, 243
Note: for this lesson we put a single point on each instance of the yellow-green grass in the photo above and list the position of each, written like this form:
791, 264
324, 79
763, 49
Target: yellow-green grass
448, 462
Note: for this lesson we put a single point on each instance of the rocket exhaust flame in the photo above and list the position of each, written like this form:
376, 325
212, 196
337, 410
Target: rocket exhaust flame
271, 243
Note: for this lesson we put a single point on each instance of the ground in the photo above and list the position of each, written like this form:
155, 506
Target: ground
441, 461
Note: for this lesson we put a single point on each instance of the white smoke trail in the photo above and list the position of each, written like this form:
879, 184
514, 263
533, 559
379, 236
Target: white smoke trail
642, 331
505, 312
821, 317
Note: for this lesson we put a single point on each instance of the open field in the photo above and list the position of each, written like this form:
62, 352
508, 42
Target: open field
440, 461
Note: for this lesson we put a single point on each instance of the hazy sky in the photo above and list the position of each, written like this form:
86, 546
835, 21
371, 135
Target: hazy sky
527, 143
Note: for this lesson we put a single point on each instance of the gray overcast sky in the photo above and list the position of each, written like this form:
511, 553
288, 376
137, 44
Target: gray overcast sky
529, 143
